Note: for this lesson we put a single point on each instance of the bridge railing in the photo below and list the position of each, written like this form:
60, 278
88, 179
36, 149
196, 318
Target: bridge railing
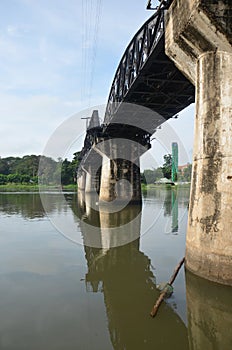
133, 60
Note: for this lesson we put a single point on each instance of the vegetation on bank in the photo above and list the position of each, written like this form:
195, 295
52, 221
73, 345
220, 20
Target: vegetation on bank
152, 176
35, 188
31, 169
73, 187
24, 174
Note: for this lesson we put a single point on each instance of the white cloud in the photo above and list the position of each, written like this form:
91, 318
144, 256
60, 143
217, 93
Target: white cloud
12, 30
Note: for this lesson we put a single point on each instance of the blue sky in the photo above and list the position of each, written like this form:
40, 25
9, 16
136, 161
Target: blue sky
58, 58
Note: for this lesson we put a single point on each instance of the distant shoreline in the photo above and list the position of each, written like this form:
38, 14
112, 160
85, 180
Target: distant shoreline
167, 186
73, 187
34, 188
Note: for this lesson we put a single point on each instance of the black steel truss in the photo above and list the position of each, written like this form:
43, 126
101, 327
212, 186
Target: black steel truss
147, 77
133, 60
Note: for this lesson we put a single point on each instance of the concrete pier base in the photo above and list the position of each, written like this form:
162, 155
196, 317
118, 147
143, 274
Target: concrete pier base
107, 192
120, 173
90, 183
120, 181
90, 176
81, 181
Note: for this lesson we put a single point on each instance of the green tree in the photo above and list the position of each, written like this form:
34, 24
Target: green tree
47, 169
149, 176
158, 173
188, 173
69, 169
12, 163
31, 167
4, 168
167, 166
3, 179
75, 164
14, 178
67, 173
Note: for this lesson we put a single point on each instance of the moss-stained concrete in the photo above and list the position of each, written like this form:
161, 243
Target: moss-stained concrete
198, 39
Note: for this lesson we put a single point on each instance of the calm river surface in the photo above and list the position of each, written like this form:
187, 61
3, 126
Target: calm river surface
69, 279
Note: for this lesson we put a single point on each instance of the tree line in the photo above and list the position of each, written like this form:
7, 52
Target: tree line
28, 170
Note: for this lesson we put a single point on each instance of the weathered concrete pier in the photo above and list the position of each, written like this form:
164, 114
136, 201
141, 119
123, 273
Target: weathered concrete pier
199, 40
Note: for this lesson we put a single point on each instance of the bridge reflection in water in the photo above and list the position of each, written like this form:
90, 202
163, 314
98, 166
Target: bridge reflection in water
124, 275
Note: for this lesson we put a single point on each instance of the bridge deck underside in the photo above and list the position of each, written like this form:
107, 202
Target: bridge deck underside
159, 86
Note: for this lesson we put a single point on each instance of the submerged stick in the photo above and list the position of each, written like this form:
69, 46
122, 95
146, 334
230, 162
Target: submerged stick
157, 304
163, 293
175, 273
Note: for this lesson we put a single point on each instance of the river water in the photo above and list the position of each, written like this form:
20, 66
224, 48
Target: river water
75, 276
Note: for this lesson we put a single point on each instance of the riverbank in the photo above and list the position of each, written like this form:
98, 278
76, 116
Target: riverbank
34, 188
72, 187
165, 186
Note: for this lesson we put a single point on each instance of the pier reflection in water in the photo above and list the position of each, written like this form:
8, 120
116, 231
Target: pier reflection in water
59, 295
209, 314
124, 275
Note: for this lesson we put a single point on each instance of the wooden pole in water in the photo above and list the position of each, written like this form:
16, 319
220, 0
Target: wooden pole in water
163, 293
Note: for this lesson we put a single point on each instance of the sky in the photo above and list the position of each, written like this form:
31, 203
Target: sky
58, 59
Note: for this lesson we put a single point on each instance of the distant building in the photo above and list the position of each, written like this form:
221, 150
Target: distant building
182, 167
185, 172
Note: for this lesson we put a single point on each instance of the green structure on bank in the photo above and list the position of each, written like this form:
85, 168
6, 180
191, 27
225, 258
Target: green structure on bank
174, 161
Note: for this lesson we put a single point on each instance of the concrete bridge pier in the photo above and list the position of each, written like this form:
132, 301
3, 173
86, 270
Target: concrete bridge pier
209, 238
120, 181
198, 39
107, 192
120, 174
128, 185
90, 181
90, 177
81, 180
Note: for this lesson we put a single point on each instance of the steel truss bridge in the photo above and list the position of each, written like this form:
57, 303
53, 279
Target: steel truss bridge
145, 77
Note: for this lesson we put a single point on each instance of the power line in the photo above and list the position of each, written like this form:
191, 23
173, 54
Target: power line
95, 45
91, 16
